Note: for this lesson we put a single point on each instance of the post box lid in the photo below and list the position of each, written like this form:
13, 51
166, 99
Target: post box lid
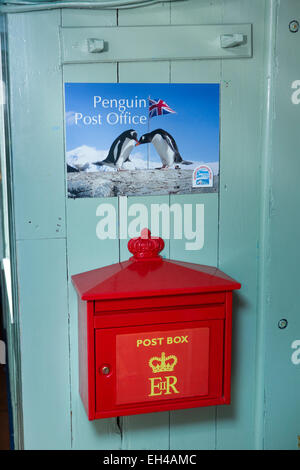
147, 274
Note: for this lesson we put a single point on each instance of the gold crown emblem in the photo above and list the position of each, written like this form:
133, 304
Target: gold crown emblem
163, 363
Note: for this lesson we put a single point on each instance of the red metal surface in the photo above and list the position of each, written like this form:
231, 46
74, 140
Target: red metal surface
144, 299
151, 277
227, 348
86, 355
128, 382
157, 363
145, 246
102, 306
157, 316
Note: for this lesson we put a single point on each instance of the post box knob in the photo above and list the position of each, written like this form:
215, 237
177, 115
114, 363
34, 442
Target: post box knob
105, 370
145, 246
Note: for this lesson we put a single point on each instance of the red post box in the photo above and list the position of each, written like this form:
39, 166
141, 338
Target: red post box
154, 334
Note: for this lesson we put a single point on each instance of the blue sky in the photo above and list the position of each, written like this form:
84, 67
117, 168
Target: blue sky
195, 126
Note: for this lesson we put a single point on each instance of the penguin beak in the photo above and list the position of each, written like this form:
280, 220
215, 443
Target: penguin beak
137, 143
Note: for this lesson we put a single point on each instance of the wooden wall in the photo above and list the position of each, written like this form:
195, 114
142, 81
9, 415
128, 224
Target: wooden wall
251, 226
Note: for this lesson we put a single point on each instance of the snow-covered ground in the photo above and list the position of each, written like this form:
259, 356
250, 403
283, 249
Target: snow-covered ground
83, 158
134, 183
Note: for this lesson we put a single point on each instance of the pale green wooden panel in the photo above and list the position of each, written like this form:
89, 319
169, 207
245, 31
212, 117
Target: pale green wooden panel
39, 189
42, 277
144, 72
239, 220
146, 432
152, 14
179, 249
195, 71
85, 252
37, 125
197, 12
87, 17
282, 377
90, 73
195, 429
85, 249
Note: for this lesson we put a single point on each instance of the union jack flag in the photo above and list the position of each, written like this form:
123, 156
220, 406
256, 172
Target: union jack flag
158, 108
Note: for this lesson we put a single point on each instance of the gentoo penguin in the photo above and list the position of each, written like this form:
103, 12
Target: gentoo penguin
165, 146
120, 150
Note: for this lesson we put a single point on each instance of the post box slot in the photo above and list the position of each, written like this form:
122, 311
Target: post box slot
158, 302
147, 316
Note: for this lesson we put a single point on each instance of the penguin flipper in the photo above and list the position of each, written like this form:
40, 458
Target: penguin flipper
178, 158
110, 157
112, 152
171, 142
184, 162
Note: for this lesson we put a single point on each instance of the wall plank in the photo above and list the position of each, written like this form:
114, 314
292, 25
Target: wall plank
86, 252
42, 279
241, 142
87, 17
282, 378
152, 14
37, 125
39, 190
195, 12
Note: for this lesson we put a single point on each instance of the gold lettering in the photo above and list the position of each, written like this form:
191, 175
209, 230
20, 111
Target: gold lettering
154, 386
171, 385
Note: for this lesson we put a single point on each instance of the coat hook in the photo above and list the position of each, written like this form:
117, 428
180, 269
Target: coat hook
95, 45
231, 40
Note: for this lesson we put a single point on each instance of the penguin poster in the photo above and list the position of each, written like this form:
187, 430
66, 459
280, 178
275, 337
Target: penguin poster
136, 139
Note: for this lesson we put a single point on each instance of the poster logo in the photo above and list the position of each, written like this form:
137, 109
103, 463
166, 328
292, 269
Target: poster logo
203, 177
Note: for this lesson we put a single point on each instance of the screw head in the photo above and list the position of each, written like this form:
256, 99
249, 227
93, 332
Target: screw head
294, 26
105, 370
283, 323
